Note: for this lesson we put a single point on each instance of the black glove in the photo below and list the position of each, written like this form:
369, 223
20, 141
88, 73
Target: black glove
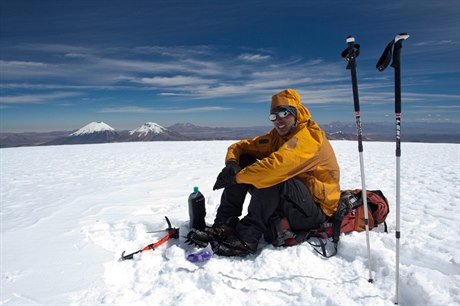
227, 176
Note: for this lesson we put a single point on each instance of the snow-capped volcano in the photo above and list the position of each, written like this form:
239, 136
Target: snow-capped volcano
93, 127
94, 132
151, 131
148, 127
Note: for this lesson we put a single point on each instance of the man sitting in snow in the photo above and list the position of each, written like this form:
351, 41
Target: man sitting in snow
291, 173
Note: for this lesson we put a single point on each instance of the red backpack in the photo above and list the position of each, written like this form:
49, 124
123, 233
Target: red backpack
378, 210
348, 218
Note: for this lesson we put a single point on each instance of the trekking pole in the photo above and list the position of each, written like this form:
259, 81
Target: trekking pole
350, 54
396, 45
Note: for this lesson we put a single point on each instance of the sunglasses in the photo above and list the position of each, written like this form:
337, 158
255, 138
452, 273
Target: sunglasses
280, 114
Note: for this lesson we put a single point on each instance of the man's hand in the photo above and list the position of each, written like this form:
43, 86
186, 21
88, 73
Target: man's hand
227, 176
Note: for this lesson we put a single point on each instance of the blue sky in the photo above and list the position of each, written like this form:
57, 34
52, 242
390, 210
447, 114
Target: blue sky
65, 63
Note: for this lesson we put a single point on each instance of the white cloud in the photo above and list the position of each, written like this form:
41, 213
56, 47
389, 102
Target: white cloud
174, 81
37, 98
432, 43
254, 57
136, 109
199, 72
20, 64
127, 109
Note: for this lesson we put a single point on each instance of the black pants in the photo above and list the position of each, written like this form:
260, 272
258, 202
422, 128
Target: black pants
290, 199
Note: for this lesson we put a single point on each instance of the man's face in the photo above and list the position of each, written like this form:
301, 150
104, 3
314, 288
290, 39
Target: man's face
284, 125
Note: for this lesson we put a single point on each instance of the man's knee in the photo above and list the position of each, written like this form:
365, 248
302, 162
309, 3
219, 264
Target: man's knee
246, 160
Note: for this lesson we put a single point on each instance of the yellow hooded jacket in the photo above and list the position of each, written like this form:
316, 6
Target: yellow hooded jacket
305, 153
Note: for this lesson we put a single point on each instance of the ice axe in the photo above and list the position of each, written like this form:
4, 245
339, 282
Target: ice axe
172, 233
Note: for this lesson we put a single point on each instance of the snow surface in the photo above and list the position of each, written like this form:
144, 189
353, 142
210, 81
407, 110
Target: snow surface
148, 127
93, 127
67, 213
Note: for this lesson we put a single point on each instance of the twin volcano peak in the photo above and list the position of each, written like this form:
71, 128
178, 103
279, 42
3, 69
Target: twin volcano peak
148, 127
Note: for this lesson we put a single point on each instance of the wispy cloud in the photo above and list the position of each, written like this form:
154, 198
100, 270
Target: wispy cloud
37, 98
253, 57
175, 51
199, 72
127, 109
446, 42
432, 96
55, 86
136, 109
21, 64
174, 81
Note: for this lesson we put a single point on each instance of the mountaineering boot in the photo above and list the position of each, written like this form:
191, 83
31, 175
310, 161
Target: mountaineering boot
234, 246
198, 238
210, 234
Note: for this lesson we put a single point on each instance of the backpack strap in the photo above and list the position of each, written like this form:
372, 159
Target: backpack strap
319, 240
322, 244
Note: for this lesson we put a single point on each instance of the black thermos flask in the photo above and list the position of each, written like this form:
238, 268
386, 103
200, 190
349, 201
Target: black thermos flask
196, 210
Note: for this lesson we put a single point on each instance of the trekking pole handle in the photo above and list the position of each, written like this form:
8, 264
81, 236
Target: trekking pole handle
401, 36
350, 54
350, 41
397, 49
396, 64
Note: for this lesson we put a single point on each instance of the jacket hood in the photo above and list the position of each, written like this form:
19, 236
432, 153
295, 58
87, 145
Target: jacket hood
292, 98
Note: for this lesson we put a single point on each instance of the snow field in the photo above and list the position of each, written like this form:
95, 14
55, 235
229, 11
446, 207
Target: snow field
67, 213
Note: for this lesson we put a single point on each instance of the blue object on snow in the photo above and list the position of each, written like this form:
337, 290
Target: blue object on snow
200, 256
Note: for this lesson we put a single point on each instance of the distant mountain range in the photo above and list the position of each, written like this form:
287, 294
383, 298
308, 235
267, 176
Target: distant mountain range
100, 132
